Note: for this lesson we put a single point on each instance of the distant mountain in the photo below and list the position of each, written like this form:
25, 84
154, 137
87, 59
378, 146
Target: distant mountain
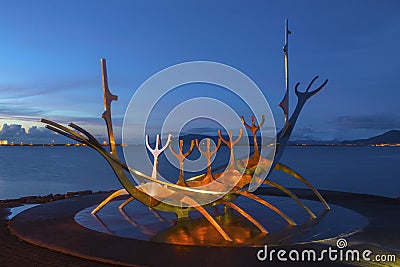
390, 137
188, 137
202, 131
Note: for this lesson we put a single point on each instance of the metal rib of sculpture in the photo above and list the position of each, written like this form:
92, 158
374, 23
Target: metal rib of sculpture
183, 190
180, 156
253, 161
156, 152
208, 153
230, 144
108, 98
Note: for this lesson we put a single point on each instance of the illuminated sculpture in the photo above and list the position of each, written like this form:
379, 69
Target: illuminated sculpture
208, 178
181, 157
184, 189
230, 144
156, 152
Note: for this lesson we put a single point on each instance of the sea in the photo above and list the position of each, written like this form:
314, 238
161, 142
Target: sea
35, 170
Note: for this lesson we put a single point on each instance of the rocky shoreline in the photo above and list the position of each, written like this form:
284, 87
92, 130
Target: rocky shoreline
49, 198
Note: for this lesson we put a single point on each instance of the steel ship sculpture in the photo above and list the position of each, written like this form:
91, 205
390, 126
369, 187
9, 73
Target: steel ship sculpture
238, 172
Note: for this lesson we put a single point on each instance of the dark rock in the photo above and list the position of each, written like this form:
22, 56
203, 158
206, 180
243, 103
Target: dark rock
58, 197
31, 201
51, 197
85, 192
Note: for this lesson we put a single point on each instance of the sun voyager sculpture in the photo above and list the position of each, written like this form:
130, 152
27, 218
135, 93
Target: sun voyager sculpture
226, 183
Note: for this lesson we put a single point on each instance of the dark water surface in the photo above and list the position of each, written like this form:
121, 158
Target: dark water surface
45, 170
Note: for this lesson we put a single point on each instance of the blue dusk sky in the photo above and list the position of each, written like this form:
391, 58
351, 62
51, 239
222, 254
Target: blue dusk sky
50, 57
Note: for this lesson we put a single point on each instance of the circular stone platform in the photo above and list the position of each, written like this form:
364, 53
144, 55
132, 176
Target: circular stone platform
139, 222
53, 226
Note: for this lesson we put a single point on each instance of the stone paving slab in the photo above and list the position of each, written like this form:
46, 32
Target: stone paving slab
15, 252
52, 225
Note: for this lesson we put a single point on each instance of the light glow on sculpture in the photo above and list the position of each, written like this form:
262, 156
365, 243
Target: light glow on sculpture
221, 186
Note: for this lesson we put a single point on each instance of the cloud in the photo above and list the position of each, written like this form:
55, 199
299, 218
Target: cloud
376, 122
81, 120
16, 112
11, 131
310, 133
7, 111
40, 135
12, 91
37, 135
16, 133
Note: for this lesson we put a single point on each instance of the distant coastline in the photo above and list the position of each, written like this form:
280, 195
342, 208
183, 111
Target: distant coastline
387, 139
292, 144
19, 145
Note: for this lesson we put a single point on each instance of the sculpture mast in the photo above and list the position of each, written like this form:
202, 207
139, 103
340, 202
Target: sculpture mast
108, 98
285, 102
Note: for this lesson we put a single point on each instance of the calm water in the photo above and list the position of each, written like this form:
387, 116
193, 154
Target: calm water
44, 170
